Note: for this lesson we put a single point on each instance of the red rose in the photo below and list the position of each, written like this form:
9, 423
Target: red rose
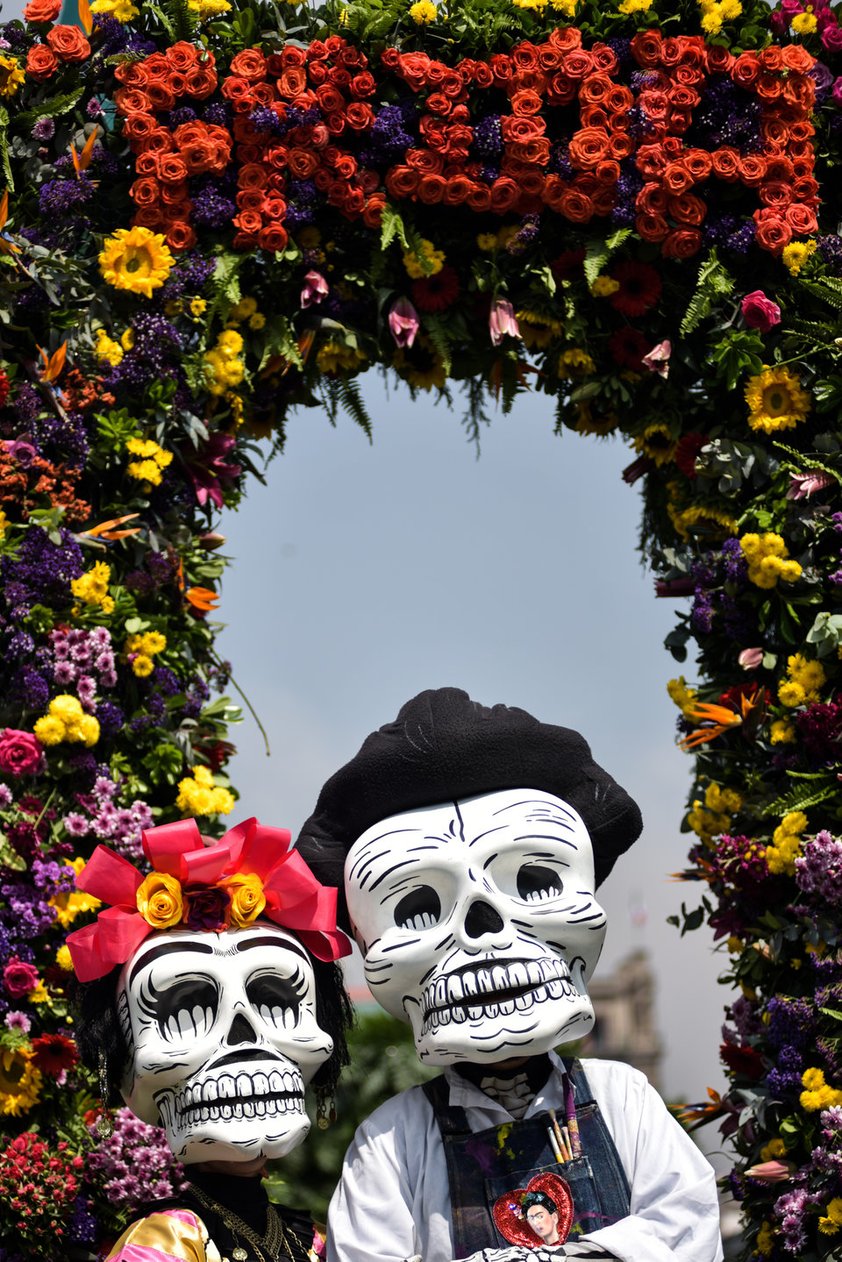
588, 146
201, 82
794, 57
687, 209
677, 179
180, 236
682, 243
522, 129
526, 102
172, 168
302, 163
773, 232
431, 189
19, 978
69, 44
374, 207
402, 182
501, 68
604, 59
577, 63
21, 753
42, 10
145, 192
504, 194
651, 227
560, 90
719, 59
775, 193
251, 65
646, 48
725, 163
651, 200
620, 146
40, 62
752, 169
273, 237
801, 219
575, 206
595, 89
345, 166
360, 116
565, 38
184, 56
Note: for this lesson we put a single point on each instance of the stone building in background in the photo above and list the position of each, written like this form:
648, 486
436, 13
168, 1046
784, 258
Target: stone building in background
624, 1002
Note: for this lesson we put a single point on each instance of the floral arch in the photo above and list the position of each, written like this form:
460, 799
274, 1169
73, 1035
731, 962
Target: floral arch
217, 211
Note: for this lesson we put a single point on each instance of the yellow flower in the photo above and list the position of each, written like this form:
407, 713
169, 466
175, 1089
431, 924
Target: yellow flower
197, 306
786, 844
422, 367
487, 242
336, 357
4, 523
107, 350
39, 994
230, 341
730, 9
832, 1221
257, 321
247, 897
64, 959
803, 683
530, 4
148, 643
12, 75
72, 903
537, 329
65, 720
587, 423
127, 339
142, 666
604, 286
781, 732
159, 900
208, 8
656, 442
136, 259
804, 23
423, 12
567, 7
767, 558
774, 1148
151, 463
198, 795
120, 10
776, 400
92, 587
575, 362
702, 519
245, 307
20, 1081
427, 262
681, 695
765, 1241
635, 6
817, 1094
796, 254
712, 816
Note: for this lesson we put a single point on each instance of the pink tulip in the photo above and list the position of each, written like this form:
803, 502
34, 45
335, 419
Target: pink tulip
502, 322
658, 359
803, 485
315, 289
750, 659
771, 1171
403, 323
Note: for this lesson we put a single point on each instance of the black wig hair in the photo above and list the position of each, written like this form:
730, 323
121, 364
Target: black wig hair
531, 1199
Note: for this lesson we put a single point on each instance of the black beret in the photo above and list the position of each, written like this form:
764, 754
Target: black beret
442, 747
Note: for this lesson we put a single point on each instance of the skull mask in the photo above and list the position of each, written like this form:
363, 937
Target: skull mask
478, 923
222, 1037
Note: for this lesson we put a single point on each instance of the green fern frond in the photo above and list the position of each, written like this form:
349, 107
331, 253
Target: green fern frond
828, 290
801, 798
348, 394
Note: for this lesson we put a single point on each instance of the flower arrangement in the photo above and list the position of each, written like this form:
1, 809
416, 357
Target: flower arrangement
628, 206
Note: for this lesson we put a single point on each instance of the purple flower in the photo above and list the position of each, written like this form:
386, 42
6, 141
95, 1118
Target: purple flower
206, 907
819, 870
18, 1021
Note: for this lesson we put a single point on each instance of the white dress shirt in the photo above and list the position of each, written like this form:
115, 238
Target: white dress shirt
393, 1199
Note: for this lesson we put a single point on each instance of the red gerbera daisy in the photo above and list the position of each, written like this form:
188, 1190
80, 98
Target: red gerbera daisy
686, 451
627, 347
53, 1053
569, 265
640, 288
436, 293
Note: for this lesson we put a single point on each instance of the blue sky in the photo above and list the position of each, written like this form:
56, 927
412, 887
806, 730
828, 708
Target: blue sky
364, 573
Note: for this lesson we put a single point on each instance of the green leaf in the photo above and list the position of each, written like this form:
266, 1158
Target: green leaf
598, 251
4, 150
714, 282
391, 226
55, 105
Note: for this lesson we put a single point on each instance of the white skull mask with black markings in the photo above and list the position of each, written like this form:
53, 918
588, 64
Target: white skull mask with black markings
222, 1037
478, 924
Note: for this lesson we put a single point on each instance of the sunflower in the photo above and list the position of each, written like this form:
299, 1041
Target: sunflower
656, 442
587, 423
702, 519
20, 1081
776, 400
537, 329
135, 259
421, 365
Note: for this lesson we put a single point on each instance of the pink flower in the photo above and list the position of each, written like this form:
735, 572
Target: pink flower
20, 753
211, 471
771, 1171
403, 323
658, 359
759, 312
20, 978
315, 289
502, 322
803, 485
831, 38
750, 659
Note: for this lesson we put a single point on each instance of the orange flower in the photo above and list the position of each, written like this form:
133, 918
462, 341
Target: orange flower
203, 599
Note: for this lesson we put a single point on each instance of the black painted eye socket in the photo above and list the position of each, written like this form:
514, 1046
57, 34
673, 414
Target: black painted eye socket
275, 998
420, 909
187, 1009
537, 884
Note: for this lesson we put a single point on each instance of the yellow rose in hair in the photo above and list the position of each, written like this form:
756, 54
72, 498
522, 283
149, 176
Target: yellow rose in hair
159, 900
247, 898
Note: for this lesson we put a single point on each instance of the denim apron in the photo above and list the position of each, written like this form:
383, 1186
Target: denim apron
483, 1165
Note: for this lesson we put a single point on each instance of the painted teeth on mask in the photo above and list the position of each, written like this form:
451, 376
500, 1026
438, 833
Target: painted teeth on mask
474, 993
243, 1096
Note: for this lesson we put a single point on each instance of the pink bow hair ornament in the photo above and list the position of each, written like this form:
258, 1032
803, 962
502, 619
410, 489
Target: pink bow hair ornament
197, 884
